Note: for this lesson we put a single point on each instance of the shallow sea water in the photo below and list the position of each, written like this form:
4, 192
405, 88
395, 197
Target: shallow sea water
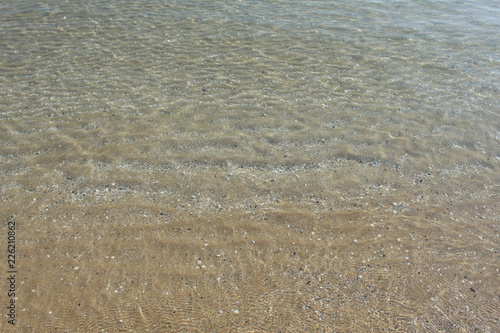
251, 166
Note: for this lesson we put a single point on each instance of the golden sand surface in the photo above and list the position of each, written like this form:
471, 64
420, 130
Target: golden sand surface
250, 166
402, 257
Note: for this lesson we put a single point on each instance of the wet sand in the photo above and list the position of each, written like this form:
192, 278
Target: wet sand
395, 258
251, 166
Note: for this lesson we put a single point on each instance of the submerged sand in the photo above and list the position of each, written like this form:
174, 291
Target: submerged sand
251, 166
394, 258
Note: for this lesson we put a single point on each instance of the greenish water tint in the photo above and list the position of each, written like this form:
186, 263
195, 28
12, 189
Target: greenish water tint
356, 74
213, 108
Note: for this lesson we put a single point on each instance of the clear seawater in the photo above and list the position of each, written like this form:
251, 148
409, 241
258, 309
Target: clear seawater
204, 109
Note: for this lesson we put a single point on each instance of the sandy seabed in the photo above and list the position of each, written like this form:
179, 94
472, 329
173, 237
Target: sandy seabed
388, 260
250, 166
